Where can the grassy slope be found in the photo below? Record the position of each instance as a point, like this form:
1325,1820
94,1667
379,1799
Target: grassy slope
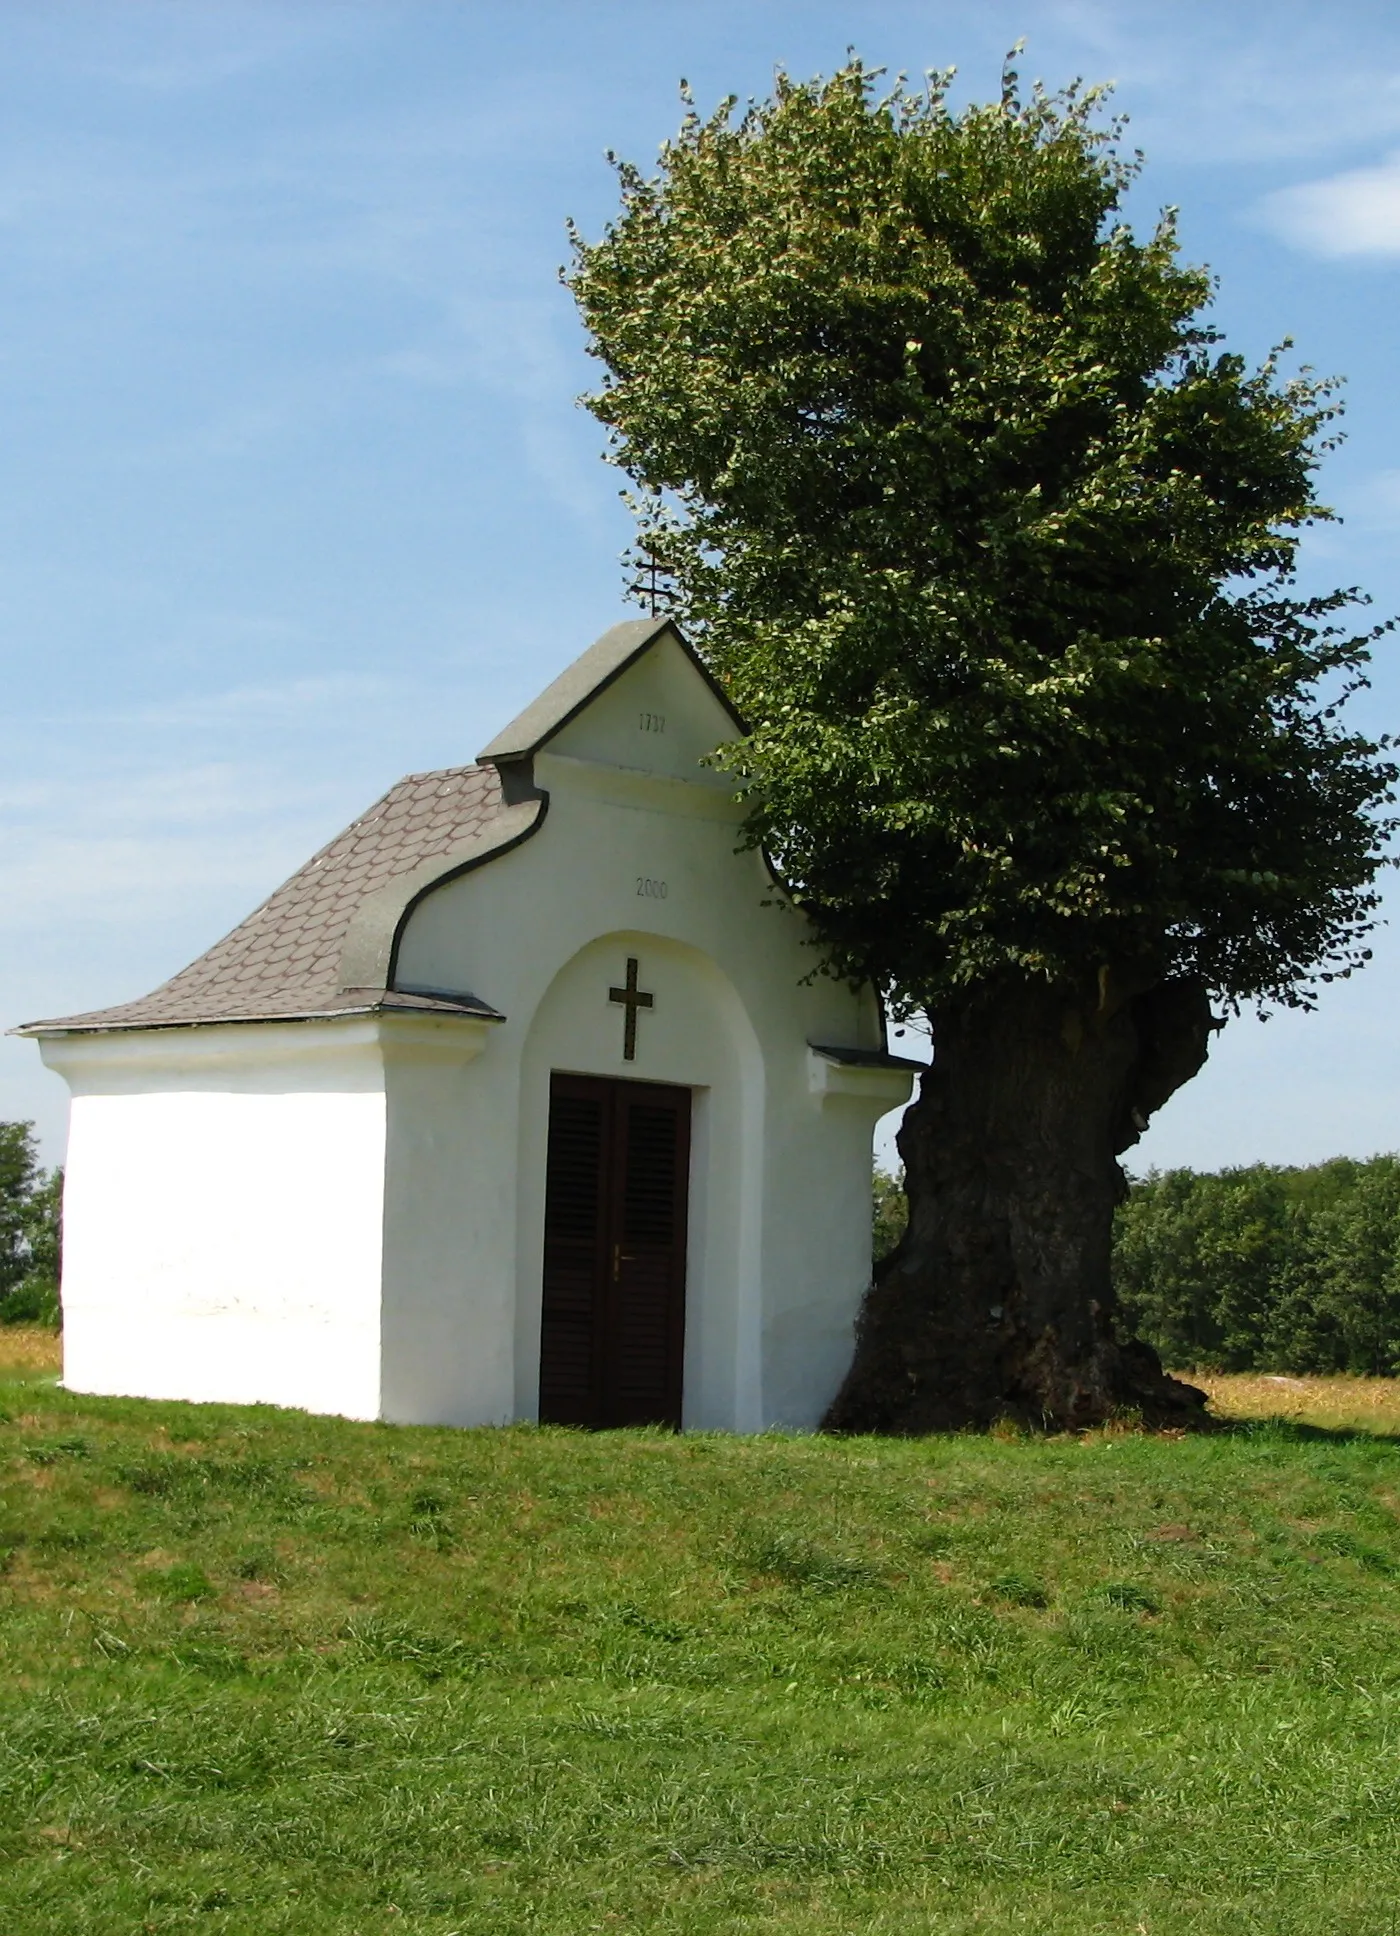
271,1673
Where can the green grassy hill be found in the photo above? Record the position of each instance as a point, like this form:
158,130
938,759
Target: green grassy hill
272,1673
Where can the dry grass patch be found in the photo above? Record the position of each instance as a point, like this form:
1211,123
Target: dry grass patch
30,1348
1335,1403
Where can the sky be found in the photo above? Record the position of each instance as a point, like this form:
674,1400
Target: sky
296,495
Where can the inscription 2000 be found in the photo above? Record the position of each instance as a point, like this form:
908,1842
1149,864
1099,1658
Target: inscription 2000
651,890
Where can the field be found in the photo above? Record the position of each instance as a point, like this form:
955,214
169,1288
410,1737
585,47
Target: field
271,1673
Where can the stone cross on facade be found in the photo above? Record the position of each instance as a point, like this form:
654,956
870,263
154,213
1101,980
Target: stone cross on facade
632,998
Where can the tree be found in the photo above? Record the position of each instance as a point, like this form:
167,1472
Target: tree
29,1229
1266,1269
19,1177
994,548
1199,1261
890,1212
1347,1280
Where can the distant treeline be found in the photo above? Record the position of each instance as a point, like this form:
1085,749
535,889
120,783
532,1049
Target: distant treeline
30,1230
1258,1269
1266,1269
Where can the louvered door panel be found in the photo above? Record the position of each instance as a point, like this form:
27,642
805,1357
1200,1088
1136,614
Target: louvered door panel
575,1238
648,1316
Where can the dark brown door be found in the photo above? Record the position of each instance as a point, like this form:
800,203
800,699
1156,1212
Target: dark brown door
612,1333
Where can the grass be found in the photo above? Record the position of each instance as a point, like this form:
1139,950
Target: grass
1345,1404
27,1348
272,1673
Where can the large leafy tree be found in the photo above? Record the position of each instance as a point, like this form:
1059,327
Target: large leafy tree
994,546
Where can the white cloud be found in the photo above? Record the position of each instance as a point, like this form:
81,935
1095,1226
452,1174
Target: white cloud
1353,213
335,702
81,881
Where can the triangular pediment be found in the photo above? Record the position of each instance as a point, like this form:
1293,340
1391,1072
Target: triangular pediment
638,699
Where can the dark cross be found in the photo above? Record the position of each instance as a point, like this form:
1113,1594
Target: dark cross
632,999
647,586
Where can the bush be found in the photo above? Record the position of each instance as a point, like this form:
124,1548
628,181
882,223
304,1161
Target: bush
891,1212
1264,1268
30,1230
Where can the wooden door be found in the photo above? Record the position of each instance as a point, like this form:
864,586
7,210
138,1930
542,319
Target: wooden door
612,1333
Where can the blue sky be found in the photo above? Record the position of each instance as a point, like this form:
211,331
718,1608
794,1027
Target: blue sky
296,496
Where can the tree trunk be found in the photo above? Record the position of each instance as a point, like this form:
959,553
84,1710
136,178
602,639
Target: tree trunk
998,1302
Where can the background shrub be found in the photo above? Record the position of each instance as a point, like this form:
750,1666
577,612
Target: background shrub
1266,1268
30,1230
891,1212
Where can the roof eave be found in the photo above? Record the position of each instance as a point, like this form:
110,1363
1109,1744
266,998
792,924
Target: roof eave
384,1002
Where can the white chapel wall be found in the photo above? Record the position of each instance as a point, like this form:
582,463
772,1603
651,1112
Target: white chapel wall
449,1229
818,1213
223,1205
658,717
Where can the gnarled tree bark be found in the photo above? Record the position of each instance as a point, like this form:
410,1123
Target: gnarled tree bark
998,1302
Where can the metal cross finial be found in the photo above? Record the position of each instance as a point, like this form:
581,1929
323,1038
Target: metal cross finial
647,587
632,998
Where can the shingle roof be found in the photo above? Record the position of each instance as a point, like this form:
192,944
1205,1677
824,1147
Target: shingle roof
284,962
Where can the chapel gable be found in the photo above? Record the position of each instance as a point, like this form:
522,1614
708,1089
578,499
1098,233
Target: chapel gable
639,699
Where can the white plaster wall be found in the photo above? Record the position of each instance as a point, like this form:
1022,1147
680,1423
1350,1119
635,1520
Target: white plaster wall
223,1209
818,1209
449,1232
659,717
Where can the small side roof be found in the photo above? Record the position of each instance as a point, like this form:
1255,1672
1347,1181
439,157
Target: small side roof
864,1058
287,961
591,673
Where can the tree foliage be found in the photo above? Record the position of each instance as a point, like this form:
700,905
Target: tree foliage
1266,1268
30,1230
992,543
889,1212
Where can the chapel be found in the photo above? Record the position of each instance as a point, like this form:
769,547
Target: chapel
520,1100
